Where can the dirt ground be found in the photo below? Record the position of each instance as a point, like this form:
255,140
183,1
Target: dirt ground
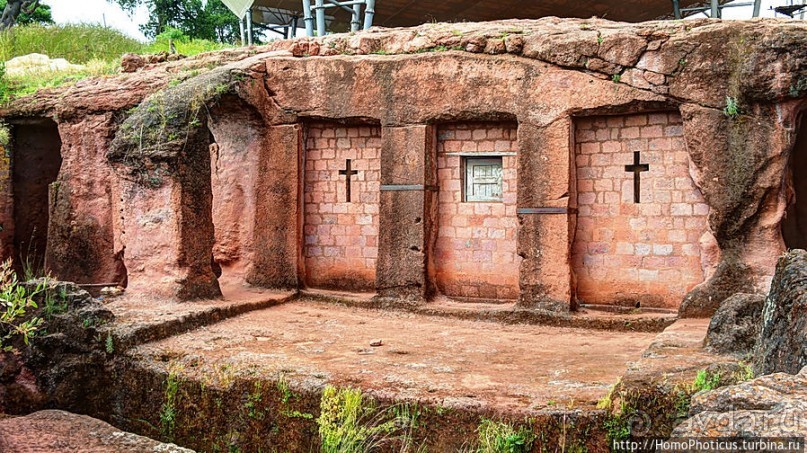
446,361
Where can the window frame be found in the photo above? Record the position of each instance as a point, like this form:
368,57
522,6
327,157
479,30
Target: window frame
498,159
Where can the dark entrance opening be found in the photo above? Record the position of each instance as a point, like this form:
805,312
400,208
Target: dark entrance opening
794,225
35,163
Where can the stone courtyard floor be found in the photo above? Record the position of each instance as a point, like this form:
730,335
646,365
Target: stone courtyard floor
452,362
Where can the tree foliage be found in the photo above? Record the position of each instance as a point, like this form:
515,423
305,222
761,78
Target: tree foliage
23,12
196,19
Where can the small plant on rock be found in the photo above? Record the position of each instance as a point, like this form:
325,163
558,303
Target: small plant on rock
168,412
732,109
502,437
5,133
15,301
705,380
348,424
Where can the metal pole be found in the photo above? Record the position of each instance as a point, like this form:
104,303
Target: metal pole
715,9
677,9
293,30
757,7
249,26
308,18
243,31
355,23
321,18
369,12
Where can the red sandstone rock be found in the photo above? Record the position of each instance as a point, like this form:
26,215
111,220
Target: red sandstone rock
60,431
132,62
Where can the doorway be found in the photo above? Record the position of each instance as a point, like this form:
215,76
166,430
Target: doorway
35,163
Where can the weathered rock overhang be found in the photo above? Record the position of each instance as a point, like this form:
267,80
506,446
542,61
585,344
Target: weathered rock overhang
541,74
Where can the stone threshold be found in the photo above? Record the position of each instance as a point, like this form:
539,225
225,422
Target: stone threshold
504,312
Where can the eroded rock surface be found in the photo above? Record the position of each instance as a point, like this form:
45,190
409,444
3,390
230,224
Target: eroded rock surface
770,406
782,345
71,348
60,431
735,326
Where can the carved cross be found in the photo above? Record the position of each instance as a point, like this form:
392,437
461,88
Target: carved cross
348,172
637,170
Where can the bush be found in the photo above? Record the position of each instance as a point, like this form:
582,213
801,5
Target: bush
15,301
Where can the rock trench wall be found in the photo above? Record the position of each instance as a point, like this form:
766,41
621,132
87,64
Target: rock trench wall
173,217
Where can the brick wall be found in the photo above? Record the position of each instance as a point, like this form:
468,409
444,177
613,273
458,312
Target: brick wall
341,238
476,242
625,252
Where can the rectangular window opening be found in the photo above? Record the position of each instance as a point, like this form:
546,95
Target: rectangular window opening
483,180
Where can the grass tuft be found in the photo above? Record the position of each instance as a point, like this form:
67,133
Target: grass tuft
502,437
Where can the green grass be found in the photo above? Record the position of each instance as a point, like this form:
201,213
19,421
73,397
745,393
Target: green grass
184,46
96,47
349,424
501,437
78,43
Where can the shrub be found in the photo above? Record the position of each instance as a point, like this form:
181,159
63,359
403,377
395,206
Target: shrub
15,301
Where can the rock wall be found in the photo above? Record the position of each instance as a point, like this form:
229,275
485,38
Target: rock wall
782,346
540,74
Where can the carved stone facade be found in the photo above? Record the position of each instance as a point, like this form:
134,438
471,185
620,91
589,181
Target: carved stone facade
251,192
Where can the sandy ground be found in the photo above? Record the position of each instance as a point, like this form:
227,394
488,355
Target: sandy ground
447,361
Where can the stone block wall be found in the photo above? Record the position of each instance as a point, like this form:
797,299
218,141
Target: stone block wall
475,252
626,252
341,238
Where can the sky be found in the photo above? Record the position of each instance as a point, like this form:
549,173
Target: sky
98,11
102,11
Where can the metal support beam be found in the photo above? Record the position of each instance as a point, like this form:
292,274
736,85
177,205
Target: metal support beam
757,7
249,26
293,30
677,9
715,9
369,12
355,21
320,11
243,31
308,18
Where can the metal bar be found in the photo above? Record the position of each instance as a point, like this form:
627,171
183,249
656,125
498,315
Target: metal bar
715,7
355,21
545,210
249,26
344,7
406,187
757,7
308,18
677,9
369,13
477,154
293,30
708,8
320,11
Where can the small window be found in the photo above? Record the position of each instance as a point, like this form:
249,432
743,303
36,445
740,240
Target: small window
483,179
